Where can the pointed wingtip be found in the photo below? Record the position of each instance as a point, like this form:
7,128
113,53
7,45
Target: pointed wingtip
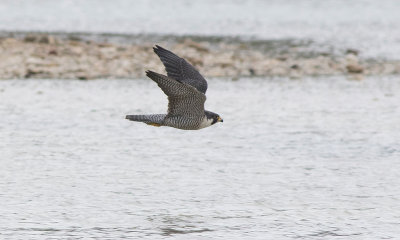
150,73
156,48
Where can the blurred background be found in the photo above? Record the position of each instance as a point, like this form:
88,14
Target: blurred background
66,39
309,148
370,26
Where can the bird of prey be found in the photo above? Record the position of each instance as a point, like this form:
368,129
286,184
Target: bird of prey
185,88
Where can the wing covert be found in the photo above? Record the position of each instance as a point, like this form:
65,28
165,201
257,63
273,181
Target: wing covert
183,99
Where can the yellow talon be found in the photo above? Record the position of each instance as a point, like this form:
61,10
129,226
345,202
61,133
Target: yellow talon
154,124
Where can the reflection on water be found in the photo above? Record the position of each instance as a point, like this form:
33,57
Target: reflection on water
312,158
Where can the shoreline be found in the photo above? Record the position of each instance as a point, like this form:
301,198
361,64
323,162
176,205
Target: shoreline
93,56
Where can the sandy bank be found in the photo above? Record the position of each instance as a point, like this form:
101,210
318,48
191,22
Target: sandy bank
49,56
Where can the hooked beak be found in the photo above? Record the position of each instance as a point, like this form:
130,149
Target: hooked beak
220,119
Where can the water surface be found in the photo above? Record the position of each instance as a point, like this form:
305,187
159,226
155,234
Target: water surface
312,159
368,25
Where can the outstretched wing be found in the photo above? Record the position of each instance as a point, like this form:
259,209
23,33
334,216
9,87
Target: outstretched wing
180,70
183,99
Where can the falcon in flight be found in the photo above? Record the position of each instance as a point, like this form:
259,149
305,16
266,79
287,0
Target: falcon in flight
185,88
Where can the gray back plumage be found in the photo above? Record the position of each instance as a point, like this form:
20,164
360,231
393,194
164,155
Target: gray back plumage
183,99
180,70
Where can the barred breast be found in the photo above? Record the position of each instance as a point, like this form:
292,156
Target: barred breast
184,122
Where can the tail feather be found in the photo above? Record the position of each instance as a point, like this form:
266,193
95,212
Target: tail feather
153,119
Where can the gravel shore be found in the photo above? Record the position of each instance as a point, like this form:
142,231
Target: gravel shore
60,57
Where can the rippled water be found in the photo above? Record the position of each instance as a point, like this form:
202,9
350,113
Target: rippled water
368,25
313,159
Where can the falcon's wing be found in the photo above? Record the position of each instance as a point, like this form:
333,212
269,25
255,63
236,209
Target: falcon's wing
183,99
180,70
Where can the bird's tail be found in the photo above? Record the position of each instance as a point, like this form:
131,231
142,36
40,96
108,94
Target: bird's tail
153,119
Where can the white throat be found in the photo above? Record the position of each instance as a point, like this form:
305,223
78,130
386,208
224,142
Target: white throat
206,122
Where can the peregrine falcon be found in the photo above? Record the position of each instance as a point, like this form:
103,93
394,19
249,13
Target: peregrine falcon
185,88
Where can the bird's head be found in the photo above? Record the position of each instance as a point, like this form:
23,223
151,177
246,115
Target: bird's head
213,116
